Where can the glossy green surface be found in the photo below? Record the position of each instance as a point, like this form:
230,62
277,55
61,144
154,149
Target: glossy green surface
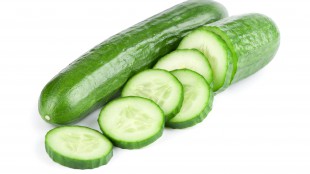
91,80
253,40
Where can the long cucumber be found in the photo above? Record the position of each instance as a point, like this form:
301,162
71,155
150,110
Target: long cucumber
91,80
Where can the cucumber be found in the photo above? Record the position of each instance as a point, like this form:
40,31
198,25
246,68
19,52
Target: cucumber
253,40
236,47
187,59
159,86
198,99
78,147
132,122
96,76
217,53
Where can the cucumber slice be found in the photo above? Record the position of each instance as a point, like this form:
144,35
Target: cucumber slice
198,98
187,59
132,122
78,147
160,86
217,52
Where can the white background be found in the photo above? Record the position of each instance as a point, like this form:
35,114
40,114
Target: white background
260,125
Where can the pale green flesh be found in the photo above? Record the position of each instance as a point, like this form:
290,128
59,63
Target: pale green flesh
186,59
78,143
196,95
213,48
131,119
159,86
157,90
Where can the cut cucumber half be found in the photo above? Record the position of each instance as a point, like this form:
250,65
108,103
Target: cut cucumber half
197,103
187,59
217,52
132,122
253,40
78,147
160,86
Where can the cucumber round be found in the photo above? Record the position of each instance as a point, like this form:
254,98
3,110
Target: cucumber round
216,51
198,99
78,147
187,59
158,85
253,40
94,78
132,122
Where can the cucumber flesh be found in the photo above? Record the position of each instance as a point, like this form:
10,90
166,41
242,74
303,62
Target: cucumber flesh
132,122
198,98
160,86
78,147
217,53
187,59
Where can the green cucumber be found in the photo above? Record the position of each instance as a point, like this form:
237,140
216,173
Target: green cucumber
217,53
198,99
132,122
187,59
245,45
96,76
78,147
159,86
253,40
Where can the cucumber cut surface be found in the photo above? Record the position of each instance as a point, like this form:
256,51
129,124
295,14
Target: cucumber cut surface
132,122
198,98
160,86
216,51
187,59
78,147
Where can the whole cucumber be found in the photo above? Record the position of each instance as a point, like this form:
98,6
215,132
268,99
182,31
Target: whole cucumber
91,80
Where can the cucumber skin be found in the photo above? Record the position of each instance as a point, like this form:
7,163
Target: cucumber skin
198,118
90,81
76,163
136,145
133,145
195,120
253,40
